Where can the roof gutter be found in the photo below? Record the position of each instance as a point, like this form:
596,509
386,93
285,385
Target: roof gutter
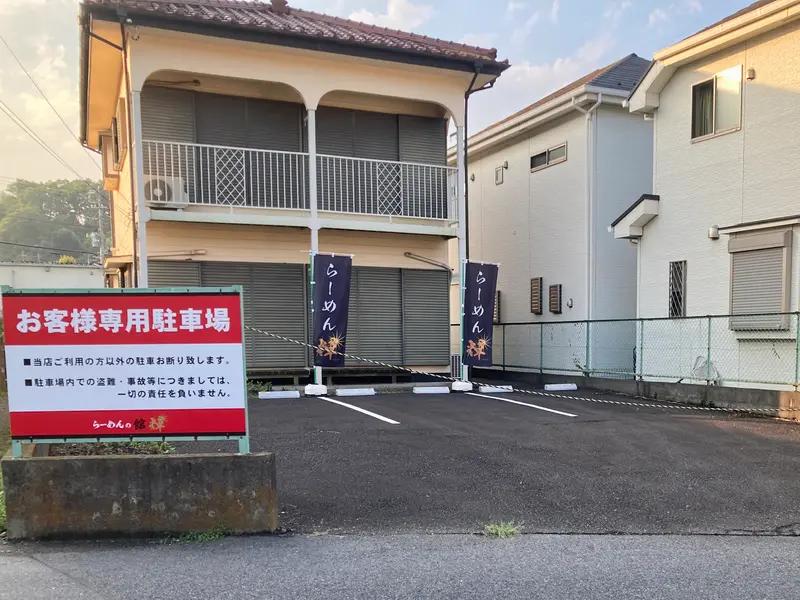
83,42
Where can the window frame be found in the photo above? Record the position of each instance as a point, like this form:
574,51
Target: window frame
498,175
714,133
548,162
683,289
119,135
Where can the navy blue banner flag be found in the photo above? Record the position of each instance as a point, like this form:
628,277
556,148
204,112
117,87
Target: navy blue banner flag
479,296
331,278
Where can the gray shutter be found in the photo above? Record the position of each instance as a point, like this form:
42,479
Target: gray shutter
279,302
375,135
221,121
380,327
173,274
335,131
352,346
423,141
335,177
224,274
757,287
275,179
273,125
167,115
426,317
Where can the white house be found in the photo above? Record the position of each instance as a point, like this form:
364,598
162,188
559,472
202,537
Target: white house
544,184
717,232
50,275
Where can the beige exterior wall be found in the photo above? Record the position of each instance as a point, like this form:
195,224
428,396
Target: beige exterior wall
250,243
312,74
746,175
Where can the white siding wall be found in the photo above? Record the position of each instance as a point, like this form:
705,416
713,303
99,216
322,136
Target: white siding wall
747,175
21,275
743,176
534,223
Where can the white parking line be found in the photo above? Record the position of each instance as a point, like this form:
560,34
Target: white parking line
558,412
361,410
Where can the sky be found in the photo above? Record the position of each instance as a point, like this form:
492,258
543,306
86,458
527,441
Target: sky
548,42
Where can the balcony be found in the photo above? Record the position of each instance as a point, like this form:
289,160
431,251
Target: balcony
186,175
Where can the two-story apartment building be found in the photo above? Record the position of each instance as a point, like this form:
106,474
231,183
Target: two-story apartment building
240,136
717,232
543,185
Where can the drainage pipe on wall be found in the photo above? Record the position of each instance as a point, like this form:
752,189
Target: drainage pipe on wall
591,127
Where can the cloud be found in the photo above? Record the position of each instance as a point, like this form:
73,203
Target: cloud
400,14
482,40
515,5
657,16
525,82
554,11
520,34
693,6
616,10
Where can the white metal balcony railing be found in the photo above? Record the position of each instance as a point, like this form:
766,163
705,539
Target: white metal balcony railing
179,174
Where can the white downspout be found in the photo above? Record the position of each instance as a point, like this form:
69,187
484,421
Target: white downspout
589,187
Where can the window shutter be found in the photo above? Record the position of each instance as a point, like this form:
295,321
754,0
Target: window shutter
555,299
536,295
757,287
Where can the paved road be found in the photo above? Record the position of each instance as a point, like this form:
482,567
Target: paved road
456,462
417,567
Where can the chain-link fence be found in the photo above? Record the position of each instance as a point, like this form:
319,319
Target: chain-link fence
742,350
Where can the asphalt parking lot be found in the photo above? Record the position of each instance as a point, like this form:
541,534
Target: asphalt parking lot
451,463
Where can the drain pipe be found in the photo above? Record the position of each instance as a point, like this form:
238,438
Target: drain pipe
591,132
135,223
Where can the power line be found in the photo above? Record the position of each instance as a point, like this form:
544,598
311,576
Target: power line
34,136
59,221
48,248
38,89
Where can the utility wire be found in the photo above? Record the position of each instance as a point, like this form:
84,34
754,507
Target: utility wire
30,132
48,248
58,221
38,89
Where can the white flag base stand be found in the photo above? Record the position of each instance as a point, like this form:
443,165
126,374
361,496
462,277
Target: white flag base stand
314,389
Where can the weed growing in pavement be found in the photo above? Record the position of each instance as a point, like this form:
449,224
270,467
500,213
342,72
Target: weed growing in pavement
199,537
2,507
503,529
253,387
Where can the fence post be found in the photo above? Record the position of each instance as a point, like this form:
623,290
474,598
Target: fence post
708,351
587,369
796,350
640,356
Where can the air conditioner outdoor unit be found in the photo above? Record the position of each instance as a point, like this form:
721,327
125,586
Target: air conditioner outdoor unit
163,191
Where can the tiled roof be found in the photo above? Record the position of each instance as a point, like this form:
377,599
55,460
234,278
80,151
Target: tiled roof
623,74
266,17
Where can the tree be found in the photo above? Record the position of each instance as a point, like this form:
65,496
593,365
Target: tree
61,215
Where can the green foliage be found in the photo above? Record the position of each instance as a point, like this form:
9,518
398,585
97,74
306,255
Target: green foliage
253,387
57,214
2,507
200,537
66,260
502,529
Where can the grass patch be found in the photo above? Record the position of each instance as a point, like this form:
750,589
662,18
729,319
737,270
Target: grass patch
253,387
111,448
201,537
503,529
2,507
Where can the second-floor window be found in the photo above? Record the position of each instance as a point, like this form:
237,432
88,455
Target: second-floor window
677,289
717,104
551,156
